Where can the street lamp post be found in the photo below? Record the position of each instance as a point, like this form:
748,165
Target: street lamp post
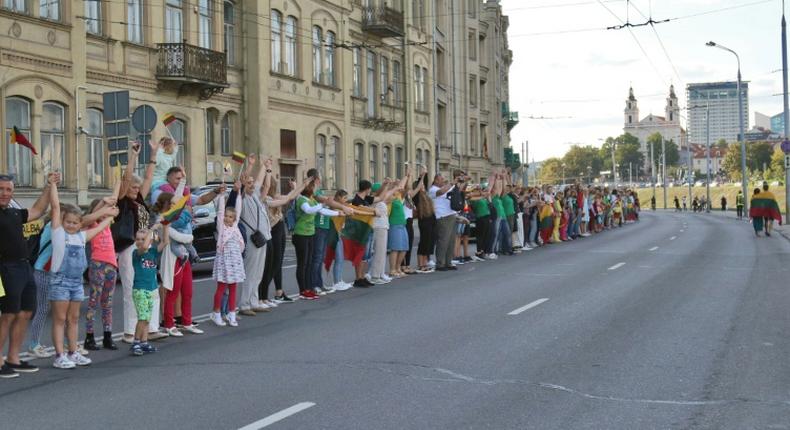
740,121
707,154
785,115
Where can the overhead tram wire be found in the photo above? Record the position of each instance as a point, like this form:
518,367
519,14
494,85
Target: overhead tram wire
652,23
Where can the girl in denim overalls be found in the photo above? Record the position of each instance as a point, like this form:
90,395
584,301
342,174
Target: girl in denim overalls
66,288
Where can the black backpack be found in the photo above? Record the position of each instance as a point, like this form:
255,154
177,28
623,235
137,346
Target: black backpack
456,197
32,232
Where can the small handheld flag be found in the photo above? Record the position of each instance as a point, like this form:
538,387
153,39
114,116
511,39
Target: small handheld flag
239,157
168,119
174,212
20,139
117,170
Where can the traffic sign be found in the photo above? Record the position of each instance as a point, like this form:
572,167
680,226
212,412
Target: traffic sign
786,146
144,119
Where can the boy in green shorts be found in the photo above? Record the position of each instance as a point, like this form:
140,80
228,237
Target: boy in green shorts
145,260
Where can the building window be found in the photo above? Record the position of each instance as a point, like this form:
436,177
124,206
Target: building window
16,5
371,79
95,143
290,46
473,90
418,13
211,119
373,160
178,129
49,9
399,162
359,156
317,45
229,35
396,82
53,137
173,21
357,77
19,158
419,87
93,17
385,161
204,23
481,51
473,138
418,157
384,70
330,179
482,94
277,20
329,59
320,155
288,144
134,20
472,46
226,134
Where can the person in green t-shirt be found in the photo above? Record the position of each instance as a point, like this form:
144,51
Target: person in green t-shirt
306,209
483,223
397,236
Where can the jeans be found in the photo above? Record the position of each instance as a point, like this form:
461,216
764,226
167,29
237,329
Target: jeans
317,260
445,246
337,267
502,244
304,255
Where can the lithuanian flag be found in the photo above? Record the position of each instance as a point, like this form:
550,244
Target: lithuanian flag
331,242
239,157
355,234
19,138
546,218
175,210
764,205
168,119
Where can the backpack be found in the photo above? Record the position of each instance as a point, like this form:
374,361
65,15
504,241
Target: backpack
456,197
32,232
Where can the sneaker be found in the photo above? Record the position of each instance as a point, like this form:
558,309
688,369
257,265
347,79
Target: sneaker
79,359
22,367
232,319
192,329
362,283
442,269
216,318
378,281
147,348
385,278
264,308
431,263
270,303
341,286
309,295
327,290
62,362
457,262
477,259
39,351
7,372
422,271
127,338
136,349
469,260
159,334
247,312
173,331
452,268
319,292
81,349
282,299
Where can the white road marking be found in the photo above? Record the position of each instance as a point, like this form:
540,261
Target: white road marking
279,416
681,231
673,238
528,307
653,248
617,266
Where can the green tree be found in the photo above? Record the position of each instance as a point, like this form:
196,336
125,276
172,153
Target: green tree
722,144
778,165
627,150
582,161
550,171
758,155
673,153
732,162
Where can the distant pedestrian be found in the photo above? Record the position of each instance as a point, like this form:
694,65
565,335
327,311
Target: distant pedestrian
684,204
765,206
739,204
723,203
757,221
677,204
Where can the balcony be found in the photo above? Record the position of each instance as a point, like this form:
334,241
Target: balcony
193,67
382,21
512,120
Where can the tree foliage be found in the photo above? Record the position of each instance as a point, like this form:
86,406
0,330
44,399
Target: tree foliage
551,171
582,161
673,152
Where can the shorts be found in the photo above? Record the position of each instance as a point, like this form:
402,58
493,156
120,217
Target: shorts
20,287
462,230
397,239
63,289
143,303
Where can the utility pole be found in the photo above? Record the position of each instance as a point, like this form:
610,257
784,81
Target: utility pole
664,169
707,152
653,172
785,116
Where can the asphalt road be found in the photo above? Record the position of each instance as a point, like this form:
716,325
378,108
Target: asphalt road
677,322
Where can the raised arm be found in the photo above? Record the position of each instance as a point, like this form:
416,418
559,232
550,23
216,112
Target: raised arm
39,208
145,188
91,233
295,191
220,219
267,177
54,201
165,240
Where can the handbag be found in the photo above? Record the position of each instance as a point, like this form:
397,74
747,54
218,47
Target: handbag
257,237
123,229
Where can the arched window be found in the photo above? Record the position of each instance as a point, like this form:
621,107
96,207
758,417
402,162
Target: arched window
226,133
418,157
359,156
53,137
95,143
385,161
329,59
290,46
373,160
19,158
277,22
178,129
320,156
211,120
229,22
330,179
205,19
317,45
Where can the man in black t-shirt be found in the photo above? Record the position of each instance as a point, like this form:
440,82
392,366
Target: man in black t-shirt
363,198
19,302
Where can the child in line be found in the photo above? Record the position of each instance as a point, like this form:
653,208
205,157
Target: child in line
228,263
381,226
144,259
68,264
165,159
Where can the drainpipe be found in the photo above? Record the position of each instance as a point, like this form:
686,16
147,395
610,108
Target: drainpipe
78,132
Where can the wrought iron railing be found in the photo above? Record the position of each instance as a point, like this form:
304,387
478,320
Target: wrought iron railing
192,63
382,20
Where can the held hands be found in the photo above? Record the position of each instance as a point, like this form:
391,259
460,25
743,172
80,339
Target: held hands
222,188
53,178
267,163
348,211
237,186
252,159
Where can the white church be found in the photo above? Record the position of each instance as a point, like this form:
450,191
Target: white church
668,125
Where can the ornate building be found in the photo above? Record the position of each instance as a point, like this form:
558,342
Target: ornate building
668,126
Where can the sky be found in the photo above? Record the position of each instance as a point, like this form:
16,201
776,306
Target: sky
577,81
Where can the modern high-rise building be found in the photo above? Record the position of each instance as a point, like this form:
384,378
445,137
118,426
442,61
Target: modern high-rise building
721,100
778,124
472,62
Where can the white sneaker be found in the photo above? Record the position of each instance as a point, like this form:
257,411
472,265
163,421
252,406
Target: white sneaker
328,290
341,286
491,256
232,319
216,318
319,292
173,331
194,330
62,362
79,359
40,352
367,276
476,259
386,278
270,303
378,281
431,263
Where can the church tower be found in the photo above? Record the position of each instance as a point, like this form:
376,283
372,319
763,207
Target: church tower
672,110
631,110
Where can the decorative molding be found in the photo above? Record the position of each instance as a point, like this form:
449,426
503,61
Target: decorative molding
306,109
101,77
34,63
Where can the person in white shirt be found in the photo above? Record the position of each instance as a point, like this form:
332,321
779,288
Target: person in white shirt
445,218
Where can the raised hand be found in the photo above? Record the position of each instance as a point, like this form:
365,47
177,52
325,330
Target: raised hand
112,211
252,159
134,148
237,186
155,145
268,163
110,200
